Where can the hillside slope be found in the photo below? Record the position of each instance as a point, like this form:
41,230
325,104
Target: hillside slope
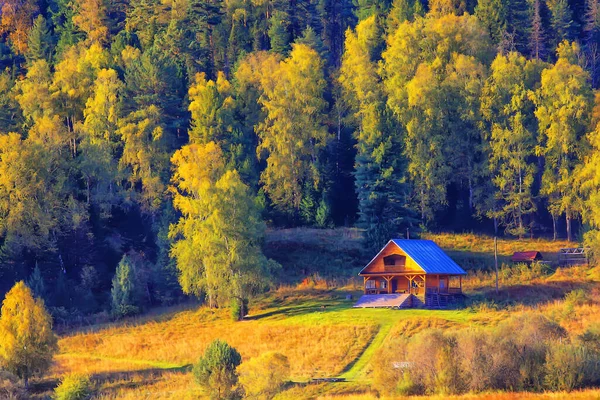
314,325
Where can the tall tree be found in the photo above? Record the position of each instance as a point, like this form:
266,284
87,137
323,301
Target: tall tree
508,109
39,41
217,240
564,104
434,95
562,20
379,167
293,132
538,36
278,32
98,158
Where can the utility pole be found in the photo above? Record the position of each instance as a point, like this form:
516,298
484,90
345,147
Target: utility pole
496,261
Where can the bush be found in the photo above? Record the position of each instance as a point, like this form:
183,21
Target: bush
262,377
10,388
575,298
73,387
514,356
566,367
216,370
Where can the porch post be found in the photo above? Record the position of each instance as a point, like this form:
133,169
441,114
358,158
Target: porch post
460,282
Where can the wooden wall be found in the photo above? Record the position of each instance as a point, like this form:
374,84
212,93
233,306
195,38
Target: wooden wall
377,265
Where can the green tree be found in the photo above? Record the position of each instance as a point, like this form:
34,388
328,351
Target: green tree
216,242
563,109
216,370
98,156
379,166
36,282
434,91
27,343
293,133
39,41
562,20
278,32
124,289
508,109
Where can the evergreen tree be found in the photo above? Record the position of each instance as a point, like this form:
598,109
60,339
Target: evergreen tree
216,370
39,41
562,20
379,167
124,290
278,32
538,36
36,283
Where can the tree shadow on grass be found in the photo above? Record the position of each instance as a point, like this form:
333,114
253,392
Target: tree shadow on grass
111,382
301,310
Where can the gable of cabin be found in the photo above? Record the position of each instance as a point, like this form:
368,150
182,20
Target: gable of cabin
391,259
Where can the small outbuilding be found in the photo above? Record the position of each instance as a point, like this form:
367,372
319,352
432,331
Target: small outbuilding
526,256
411,273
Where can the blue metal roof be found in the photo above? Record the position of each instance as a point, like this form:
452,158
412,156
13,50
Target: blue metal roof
429,256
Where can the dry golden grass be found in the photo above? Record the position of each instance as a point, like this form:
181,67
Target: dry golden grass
181,340
577,395
470,242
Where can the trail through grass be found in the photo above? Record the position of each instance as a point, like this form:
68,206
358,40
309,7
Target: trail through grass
358,368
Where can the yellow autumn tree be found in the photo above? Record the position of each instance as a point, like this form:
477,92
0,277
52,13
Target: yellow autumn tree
27,343
91,17
293,132
98,160
564,104
16,19
211,106
217,241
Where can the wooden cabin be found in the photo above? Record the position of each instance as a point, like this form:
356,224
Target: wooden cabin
411,273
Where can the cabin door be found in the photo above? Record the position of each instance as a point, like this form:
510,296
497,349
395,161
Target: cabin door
394,283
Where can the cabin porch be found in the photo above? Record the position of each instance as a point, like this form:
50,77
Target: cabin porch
431,291
417,284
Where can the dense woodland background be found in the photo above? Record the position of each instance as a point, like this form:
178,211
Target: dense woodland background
124,123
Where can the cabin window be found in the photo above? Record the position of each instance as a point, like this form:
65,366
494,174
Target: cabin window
383,284
395,260
370,284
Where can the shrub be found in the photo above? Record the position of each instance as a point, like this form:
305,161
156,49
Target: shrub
262,377
10,388
433,359
575,298
216,370
387,377
566,367
73,387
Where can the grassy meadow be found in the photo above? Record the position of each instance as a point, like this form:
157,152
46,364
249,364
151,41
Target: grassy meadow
314,325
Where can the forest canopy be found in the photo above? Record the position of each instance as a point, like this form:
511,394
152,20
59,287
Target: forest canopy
166,135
